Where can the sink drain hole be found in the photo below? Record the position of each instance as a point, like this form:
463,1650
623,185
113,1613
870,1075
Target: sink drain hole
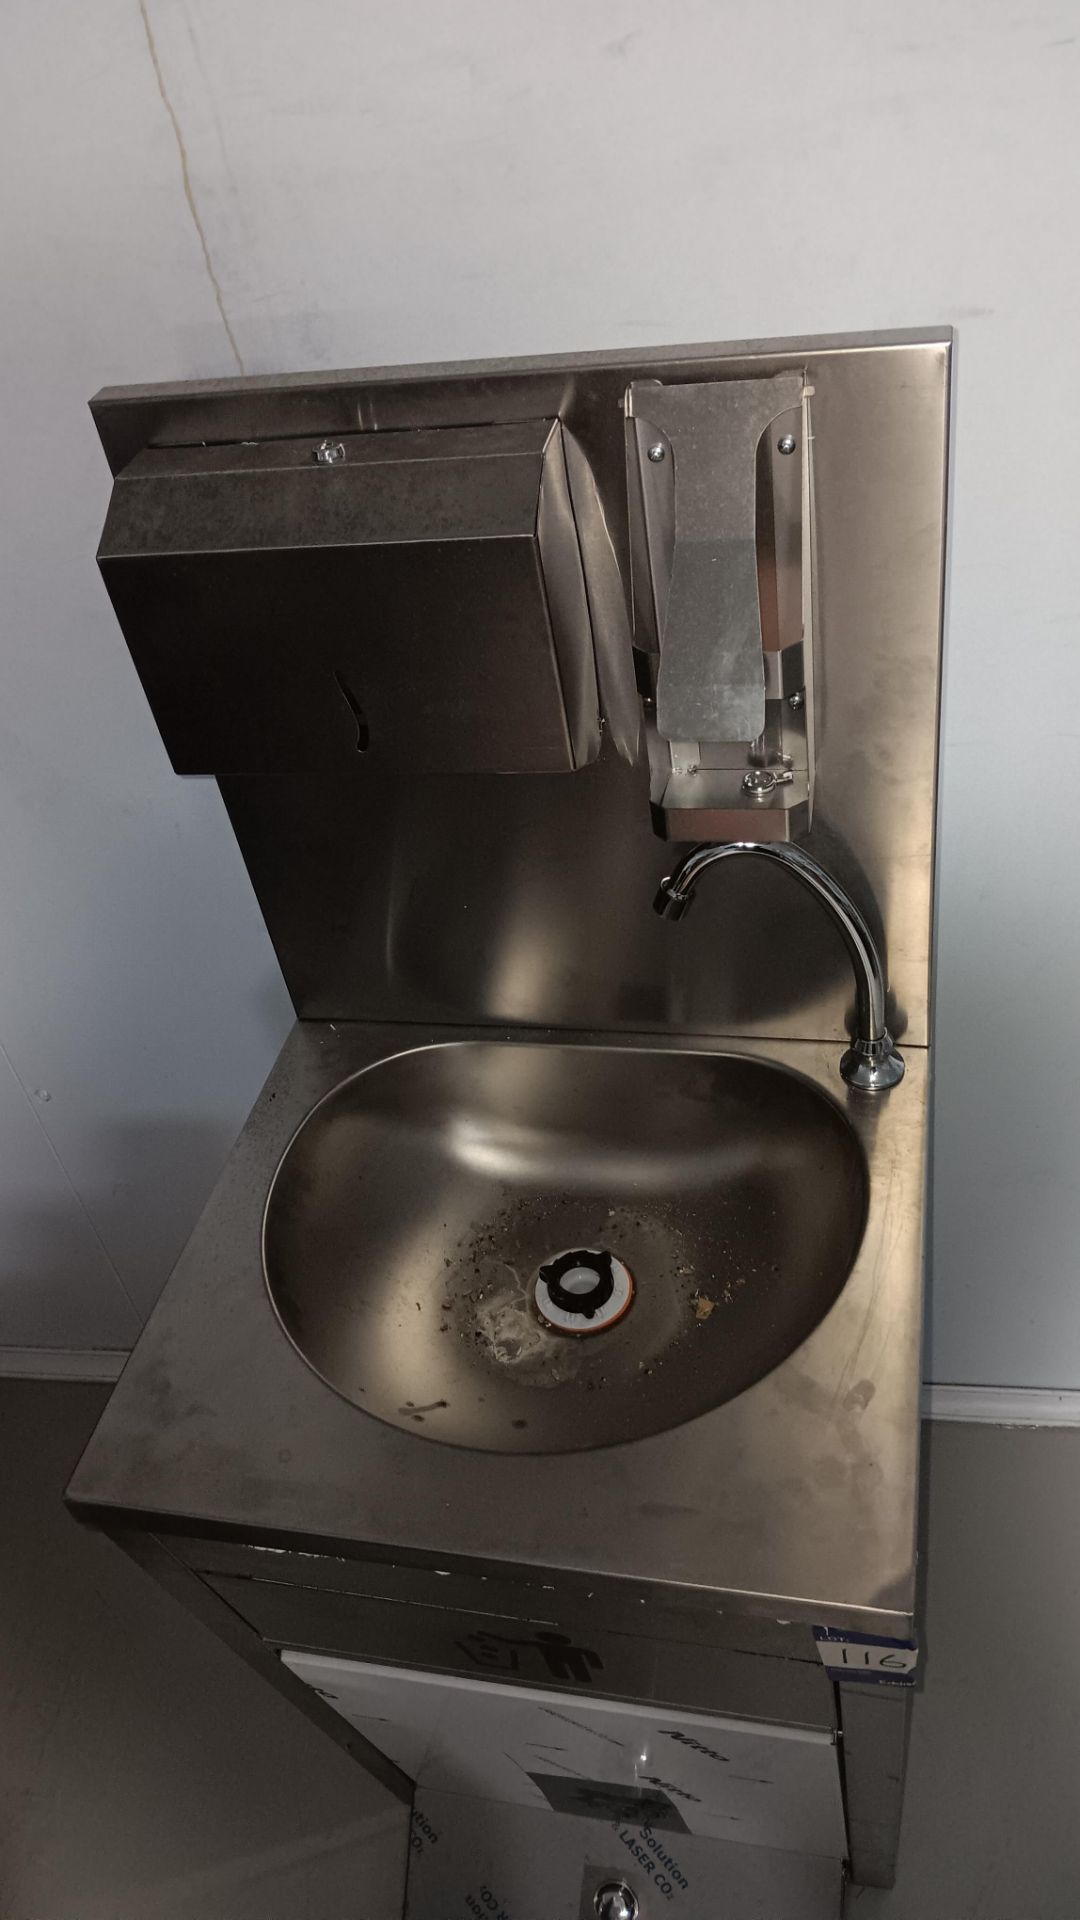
583,1291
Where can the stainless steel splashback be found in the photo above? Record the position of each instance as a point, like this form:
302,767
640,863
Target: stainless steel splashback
525,898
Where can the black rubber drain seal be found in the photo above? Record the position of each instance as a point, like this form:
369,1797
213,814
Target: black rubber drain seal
581,1308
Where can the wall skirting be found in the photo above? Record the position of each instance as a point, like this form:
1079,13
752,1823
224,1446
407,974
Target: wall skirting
60,1363
1004,1406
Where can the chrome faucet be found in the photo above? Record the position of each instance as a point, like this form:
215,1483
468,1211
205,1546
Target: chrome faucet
871,1061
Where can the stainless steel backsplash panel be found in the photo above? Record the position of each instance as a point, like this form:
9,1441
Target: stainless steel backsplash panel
528,899
525,898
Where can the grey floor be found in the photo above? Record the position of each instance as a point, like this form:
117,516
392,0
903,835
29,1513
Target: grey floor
146,1774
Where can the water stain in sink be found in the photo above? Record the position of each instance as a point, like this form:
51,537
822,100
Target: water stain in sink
486,1296
510,1333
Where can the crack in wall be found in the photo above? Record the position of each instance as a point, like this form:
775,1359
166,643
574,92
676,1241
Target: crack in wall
185,176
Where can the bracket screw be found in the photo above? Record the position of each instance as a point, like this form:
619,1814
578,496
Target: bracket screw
657,452
758,780
787,443
797,701
330,454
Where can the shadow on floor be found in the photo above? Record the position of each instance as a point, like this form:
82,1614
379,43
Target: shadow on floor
147,1773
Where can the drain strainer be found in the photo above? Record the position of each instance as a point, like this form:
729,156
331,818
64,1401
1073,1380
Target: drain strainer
583,1291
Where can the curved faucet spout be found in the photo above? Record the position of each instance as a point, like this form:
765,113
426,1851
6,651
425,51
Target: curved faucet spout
871,1062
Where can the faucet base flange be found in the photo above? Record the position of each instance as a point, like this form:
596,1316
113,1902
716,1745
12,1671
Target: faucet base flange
872,1065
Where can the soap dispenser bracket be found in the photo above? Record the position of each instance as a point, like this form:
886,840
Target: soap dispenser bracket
720,541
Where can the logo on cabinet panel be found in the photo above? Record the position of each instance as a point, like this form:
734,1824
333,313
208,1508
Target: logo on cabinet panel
554,1654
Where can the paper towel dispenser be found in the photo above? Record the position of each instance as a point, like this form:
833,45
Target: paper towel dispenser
394,601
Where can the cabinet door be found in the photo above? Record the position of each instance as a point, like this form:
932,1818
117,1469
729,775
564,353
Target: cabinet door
679,1773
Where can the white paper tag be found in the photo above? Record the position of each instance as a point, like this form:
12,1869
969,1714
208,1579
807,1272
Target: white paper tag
867,1656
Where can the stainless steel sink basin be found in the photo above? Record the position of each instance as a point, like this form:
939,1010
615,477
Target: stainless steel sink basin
417,1203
